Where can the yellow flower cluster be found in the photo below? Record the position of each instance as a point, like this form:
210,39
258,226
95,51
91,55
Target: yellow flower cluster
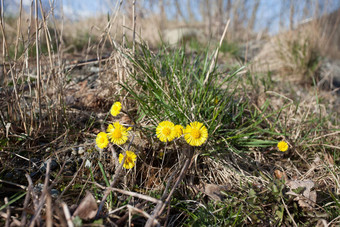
117,134
195,133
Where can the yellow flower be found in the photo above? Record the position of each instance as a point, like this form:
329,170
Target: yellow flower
165,131
115,109
130,159
102,141
195,134
282,145
117,133
178,130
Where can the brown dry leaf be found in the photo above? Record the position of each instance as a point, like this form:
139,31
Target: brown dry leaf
213,190
82,86
126,120
308,197
279,175
87,208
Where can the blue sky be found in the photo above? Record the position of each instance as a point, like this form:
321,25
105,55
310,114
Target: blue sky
268,13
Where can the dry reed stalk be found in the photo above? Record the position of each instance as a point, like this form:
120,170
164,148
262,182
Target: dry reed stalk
50,113
38,60
3,29
23,117
47,38
134,27
124,32
14,80
18,32
213,62
106,34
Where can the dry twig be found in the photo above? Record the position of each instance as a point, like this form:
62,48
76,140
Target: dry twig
213,62
167,197
43,195
67,215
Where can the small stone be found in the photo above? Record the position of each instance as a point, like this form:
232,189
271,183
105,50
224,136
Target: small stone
94,69
54,193
81,150
74,151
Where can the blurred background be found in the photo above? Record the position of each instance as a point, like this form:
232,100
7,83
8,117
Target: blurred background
171,20
296,41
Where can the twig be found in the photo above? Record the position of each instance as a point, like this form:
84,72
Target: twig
15,184
114,181
161,205
67,215
15,222
286,208
139,211
121,221
335,219
34,195
108,190
133,194
116,210
49,220
27,199
73,179
43,194
167,216
8,213
35,165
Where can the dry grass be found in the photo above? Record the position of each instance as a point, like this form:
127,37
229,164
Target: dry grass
55,97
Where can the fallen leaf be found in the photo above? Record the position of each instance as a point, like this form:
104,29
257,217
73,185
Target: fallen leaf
126,120
279,175
307,197
87,208
213,190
